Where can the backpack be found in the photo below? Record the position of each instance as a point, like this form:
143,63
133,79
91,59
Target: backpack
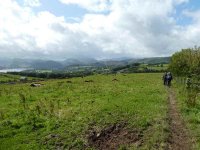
169,77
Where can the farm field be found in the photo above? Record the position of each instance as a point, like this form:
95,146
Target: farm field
123,111
158,67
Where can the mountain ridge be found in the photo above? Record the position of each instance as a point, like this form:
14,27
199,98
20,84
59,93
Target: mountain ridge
62,64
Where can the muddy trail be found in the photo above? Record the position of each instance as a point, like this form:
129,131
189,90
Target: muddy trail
179,138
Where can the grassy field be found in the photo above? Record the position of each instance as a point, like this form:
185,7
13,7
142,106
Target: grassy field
191,114
157,67
61,114
4,78
8,78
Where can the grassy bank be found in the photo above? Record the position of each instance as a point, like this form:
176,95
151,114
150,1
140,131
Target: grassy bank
190,114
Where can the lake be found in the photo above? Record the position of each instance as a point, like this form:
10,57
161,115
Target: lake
12,70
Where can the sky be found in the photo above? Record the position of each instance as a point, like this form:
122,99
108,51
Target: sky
60,29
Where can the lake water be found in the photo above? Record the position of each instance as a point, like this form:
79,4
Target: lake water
12,70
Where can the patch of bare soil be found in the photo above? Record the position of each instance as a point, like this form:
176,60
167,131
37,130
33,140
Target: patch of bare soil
115,80
114,136
179,138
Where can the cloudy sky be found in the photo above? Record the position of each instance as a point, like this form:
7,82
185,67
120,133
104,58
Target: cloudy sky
59,29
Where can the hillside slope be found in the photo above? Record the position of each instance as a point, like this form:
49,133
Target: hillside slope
95,111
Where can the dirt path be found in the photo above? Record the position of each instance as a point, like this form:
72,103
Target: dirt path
178,138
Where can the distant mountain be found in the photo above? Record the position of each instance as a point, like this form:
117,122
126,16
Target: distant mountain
59,65
78,61
5,62
152,60
113,63
31,63
20,63
49,64
1,67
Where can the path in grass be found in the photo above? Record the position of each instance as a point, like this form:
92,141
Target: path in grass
178,138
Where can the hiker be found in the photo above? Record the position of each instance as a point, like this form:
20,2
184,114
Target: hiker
165,78
169,78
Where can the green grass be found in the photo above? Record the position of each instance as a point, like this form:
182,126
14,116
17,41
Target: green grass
8,78
190,114
60,113
12,78
158,67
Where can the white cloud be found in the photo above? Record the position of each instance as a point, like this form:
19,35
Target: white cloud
132,28
91,5
32,3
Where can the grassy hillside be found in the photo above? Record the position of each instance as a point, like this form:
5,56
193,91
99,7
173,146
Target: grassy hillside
63,114
6,78
136,67
154,60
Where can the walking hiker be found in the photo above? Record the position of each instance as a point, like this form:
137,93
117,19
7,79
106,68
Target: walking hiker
165,78
169,78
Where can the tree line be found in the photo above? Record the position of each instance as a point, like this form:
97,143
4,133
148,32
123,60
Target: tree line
52,75
185,65
186,62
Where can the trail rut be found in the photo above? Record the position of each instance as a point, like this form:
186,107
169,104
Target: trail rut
179,138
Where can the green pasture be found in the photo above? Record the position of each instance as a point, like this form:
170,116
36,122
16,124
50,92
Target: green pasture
60,113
